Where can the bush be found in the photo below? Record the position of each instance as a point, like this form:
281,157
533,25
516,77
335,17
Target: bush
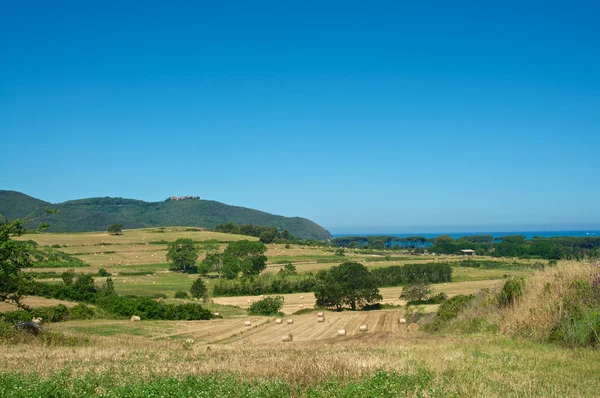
180,294
103,272
83,312
450,309
579,324
511,291
437,299
146,308
267,306
57,313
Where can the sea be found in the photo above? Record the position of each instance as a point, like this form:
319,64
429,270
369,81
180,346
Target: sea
495,234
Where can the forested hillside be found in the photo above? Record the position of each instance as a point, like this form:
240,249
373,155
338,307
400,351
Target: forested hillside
96,214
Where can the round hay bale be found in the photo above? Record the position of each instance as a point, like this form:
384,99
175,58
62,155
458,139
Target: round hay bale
217,314
320,314
287,338
413,327
402,321
290,321
247,323
262,296
301,306
341,332
364,328
320,319
301,297
135,318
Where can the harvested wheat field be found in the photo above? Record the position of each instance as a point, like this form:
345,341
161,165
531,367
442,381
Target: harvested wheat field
307,328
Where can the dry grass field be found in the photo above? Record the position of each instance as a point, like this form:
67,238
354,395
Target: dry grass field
119,353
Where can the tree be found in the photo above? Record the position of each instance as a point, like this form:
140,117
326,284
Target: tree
115,229
109,286
230,267
15,255
268,306
347,284
267,236
68,277
183,253
250,255
198,289
211,263
417,291
287,270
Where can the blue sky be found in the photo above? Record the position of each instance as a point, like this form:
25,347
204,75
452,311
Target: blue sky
392,116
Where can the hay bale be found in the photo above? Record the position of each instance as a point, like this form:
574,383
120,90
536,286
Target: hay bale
413,327
320,314
402,321
262,296
301,297
247,323
217,314
290,321
320,319
278,321
301,306
364,328
341,332
286,338
135,318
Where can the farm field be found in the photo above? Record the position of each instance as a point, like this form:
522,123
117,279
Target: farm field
113,354
116,354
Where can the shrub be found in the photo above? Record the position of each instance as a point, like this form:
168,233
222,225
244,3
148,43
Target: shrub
180,294
511,291
450,309
83,312
57,313
146,308
103,272
268,306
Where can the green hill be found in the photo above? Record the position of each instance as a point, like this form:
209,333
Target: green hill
96,214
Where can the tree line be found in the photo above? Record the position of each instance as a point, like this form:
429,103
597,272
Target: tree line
263,233
506,246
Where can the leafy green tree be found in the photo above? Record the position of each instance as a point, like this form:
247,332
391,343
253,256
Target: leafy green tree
198,289
183,254
287,270
268,306
416,291
267,236
230,267
15,255
115,229
252,260
109,286
348,284
68,277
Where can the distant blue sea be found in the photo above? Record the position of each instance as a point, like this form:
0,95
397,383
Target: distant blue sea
456,235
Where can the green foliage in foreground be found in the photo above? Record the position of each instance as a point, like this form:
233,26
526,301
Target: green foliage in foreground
379,384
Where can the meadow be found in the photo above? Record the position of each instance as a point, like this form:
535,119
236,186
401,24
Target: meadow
224,357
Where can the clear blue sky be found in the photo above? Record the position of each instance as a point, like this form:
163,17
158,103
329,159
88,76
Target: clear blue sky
389,116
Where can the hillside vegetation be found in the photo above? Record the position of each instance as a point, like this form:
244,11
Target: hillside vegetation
96,214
